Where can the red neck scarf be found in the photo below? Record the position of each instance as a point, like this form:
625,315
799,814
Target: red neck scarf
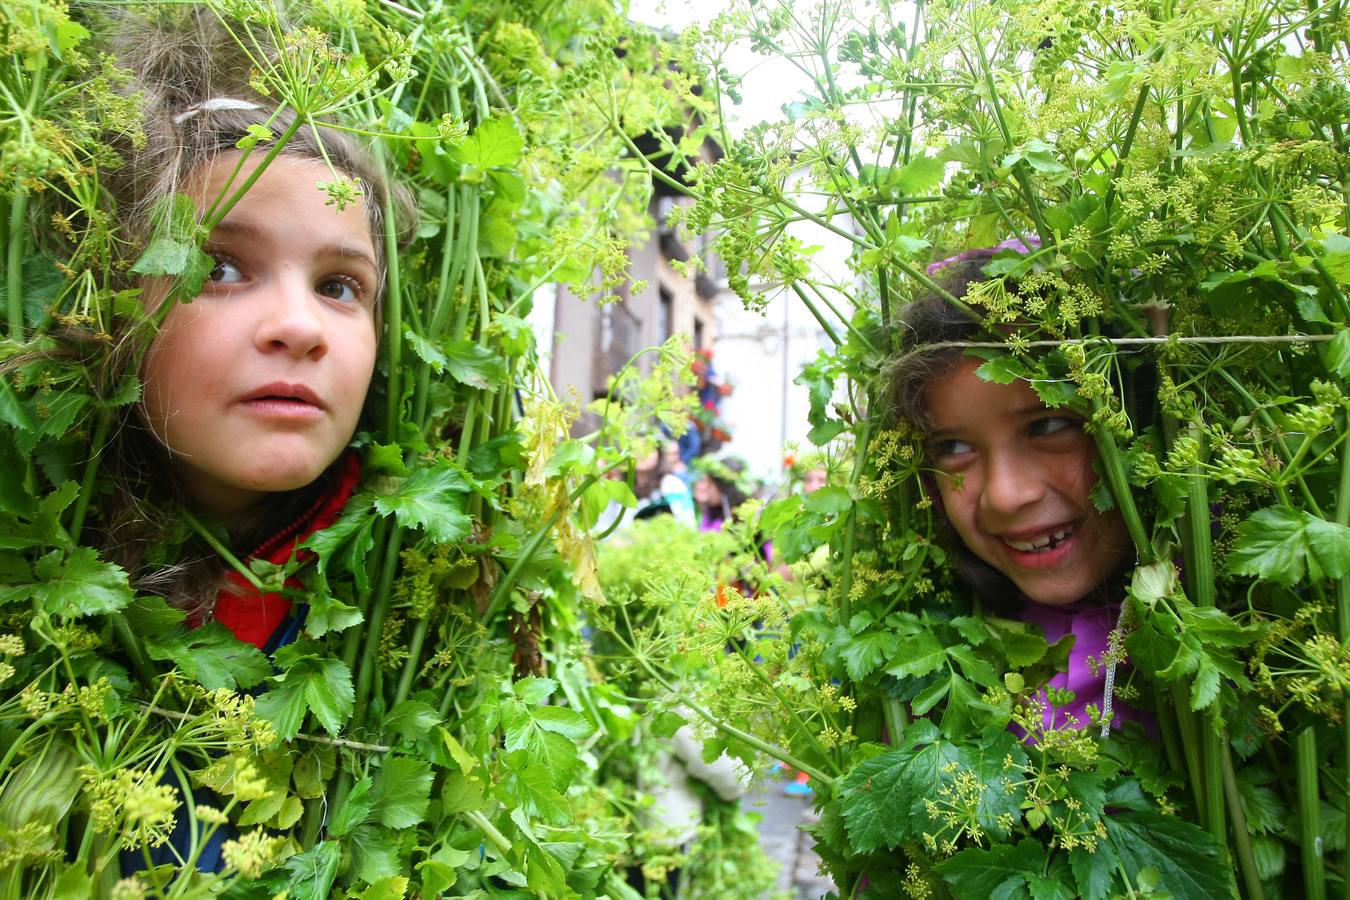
253,616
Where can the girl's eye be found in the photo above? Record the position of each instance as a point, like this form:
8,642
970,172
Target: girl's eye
225,271
951,447
1050,425
340,287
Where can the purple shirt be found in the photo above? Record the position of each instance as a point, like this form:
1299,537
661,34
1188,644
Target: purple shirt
1091,627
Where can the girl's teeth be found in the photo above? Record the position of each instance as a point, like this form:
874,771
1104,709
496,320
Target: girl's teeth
1042,542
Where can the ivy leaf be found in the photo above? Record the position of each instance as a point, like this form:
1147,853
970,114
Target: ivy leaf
308,683
212,656
80,585
1278,543
402,791
431,499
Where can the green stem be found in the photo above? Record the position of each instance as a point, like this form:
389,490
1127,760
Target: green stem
1310,826
222,551
91,467
374,626
850,530
1251,878
811,306
1113,467
393,318
413,662
18,212
1343,630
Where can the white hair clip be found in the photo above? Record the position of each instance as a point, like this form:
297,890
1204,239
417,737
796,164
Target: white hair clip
212,105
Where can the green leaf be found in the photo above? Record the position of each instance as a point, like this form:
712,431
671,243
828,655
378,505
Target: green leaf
354,811
531,787
391,887
1002,370
977,872
312,872
472,364
308,683
1021,643
213,656
1337,354
412,719
402,791
431,499
495,142
174,249
919,176
439,871
80,585
1186,857
863,653
1094,871
917,655
1279,543
560,720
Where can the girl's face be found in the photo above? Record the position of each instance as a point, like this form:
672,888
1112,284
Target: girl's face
256,385
1015,479
706,492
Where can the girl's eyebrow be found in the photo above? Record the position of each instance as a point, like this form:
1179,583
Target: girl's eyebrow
249,231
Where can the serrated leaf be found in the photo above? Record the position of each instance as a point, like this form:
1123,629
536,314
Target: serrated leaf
321,685
81,584
918,176
312,872
212,656
1337,354
1002,370
495,142
1185,857
560,720
1280,544
402,791
863,653
531,787
391,887
412,719
917,655
431,499
354,811
473,364
980,872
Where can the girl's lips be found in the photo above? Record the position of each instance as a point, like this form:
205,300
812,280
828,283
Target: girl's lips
288,408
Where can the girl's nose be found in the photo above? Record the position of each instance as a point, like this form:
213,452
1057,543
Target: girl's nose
1011,484
292,322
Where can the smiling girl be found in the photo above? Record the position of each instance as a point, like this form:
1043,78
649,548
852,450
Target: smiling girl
1013,480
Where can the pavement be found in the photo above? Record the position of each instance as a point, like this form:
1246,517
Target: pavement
783,840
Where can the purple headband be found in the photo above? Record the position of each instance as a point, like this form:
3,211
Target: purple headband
1032,242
